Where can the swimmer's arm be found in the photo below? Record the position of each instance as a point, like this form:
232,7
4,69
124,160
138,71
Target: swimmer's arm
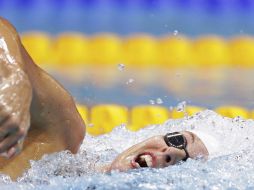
15,94
53,109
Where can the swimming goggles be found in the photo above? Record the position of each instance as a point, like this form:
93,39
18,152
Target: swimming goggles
177,140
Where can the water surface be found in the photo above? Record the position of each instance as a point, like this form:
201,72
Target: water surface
231,168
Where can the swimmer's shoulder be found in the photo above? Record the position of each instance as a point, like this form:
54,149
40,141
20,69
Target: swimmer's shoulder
5,24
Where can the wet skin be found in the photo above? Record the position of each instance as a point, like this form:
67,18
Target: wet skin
37,115
155,153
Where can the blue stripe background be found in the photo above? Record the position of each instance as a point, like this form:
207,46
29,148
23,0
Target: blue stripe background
124,17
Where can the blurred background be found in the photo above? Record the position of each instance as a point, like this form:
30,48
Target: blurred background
126,17
155,53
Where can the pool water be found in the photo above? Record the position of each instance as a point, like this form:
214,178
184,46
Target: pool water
231,168
205,87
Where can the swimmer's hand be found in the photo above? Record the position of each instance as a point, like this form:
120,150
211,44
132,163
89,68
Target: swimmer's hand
13,130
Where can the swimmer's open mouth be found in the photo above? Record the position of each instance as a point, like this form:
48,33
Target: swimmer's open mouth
143,160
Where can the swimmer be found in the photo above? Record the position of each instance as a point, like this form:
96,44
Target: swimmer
162,151
37,115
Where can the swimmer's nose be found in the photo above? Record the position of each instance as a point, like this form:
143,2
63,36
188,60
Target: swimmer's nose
170,156
164,157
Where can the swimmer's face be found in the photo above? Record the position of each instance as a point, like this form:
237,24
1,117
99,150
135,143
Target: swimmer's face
155,153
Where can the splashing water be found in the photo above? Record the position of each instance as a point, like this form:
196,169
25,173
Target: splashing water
231,168
181,107
152,102
159,101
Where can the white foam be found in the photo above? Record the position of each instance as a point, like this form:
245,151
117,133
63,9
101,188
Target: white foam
232,168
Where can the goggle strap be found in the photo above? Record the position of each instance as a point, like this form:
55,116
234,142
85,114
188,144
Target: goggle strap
187,155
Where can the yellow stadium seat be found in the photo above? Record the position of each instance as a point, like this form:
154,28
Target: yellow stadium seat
39,46
189,111
175,51
105,117
140,50
210,51
242,51
142,116
233,111
83,111
252,114
105,49
71,49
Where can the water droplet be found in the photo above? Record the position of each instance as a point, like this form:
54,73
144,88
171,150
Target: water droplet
159,101
152,102
131,80
90,124
175,32
121,67
181,106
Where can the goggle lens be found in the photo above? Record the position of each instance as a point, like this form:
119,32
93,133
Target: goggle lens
176,140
